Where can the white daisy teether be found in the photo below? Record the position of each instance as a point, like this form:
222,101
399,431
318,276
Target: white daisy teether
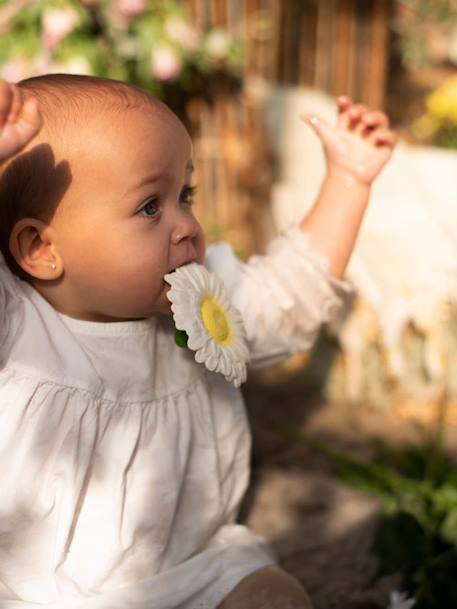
214,328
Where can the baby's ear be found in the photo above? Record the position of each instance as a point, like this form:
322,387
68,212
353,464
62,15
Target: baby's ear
32,243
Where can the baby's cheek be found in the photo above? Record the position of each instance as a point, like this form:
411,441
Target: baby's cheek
200,246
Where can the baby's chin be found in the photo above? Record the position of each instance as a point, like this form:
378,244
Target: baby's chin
158,305
166,310
163,306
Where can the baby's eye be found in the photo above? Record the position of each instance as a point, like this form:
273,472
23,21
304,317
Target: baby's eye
150,209
188,194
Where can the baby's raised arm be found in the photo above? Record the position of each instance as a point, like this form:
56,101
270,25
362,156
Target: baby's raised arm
20,119
286,295
356,149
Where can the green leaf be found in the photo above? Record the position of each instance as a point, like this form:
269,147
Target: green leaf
437,582
400,542
448,529
181,338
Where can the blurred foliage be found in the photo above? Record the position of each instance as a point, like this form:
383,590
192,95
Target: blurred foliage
150,43
427,32
417,530
439,124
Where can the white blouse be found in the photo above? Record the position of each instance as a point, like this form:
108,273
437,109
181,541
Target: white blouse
124,461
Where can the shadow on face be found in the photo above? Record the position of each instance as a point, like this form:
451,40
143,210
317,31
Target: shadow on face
32,185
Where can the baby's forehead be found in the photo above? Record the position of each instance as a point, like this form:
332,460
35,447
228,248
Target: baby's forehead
70,103
79,113
60,92
120,126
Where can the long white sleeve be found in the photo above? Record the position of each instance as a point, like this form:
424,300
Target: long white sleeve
283,296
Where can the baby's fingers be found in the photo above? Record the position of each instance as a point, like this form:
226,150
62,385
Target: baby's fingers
17,133
351,115
6,101
375,119
16,104
344,102
29,121
320,126
383,137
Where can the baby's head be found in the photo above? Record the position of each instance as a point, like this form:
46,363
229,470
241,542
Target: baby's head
98,207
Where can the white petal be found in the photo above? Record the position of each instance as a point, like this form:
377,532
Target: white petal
225,362
211,363
197,341
399,600
241,351
214,348
201,355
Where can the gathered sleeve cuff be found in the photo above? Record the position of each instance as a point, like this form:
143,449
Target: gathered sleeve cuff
283,296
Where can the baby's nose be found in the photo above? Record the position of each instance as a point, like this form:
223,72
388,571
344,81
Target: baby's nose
187,228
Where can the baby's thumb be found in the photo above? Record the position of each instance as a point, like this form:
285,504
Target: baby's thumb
320,126
31,113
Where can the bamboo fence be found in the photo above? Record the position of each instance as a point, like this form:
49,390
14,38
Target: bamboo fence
333,45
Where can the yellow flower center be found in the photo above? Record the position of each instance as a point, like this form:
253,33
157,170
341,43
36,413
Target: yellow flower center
217,321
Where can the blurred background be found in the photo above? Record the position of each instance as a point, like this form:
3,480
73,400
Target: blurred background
239,73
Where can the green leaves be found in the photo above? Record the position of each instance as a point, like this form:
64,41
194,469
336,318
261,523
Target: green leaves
151,43
397,533
418,526
417,530
445,500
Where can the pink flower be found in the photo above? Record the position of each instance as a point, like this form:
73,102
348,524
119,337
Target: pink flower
131,8
166,65
183,33
57,24
16,70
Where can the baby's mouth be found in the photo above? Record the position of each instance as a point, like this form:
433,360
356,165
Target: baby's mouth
180,265
170,272
173,270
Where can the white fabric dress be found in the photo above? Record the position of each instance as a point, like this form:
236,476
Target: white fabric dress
123,462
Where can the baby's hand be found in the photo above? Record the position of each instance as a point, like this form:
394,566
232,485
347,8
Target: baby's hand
359,145
20,119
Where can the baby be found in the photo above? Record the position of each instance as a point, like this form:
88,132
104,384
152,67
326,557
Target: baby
125,461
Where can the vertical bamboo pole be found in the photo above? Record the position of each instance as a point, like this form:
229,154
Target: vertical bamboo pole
324,43
219,12
333,50
282,43
308,44
249,18
363,51
376,86
235,10
291,35
344,47
274,7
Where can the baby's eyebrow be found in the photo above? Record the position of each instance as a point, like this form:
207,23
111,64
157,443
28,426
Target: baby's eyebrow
150,179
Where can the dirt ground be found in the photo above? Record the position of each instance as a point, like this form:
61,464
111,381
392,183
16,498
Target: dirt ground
320,529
